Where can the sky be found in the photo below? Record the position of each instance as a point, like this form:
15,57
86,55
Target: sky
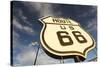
26,29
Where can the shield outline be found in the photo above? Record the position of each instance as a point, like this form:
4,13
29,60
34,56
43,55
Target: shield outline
67,53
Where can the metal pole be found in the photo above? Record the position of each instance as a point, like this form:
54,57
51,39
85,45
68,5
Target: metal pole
76,59
61,60
36,55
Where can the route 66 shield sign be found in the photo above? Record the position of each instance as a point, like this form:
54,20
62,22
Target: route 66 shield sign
65,37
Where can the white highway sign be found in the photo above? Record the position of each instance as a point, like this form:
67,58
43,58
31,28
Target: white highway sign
65,37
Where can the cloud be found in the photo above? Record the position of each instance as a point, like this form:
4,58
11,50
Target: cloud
16,38
34,43
20,13
28,30
43,9
26,56
22,54
17,24
90,18
88,12
21,27
92,25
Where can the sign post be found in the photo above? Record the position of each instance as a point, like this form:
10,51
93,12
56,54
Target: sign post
64,37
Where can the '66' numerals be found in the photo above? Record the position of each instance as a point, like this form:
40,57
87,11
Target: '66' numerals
69,40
